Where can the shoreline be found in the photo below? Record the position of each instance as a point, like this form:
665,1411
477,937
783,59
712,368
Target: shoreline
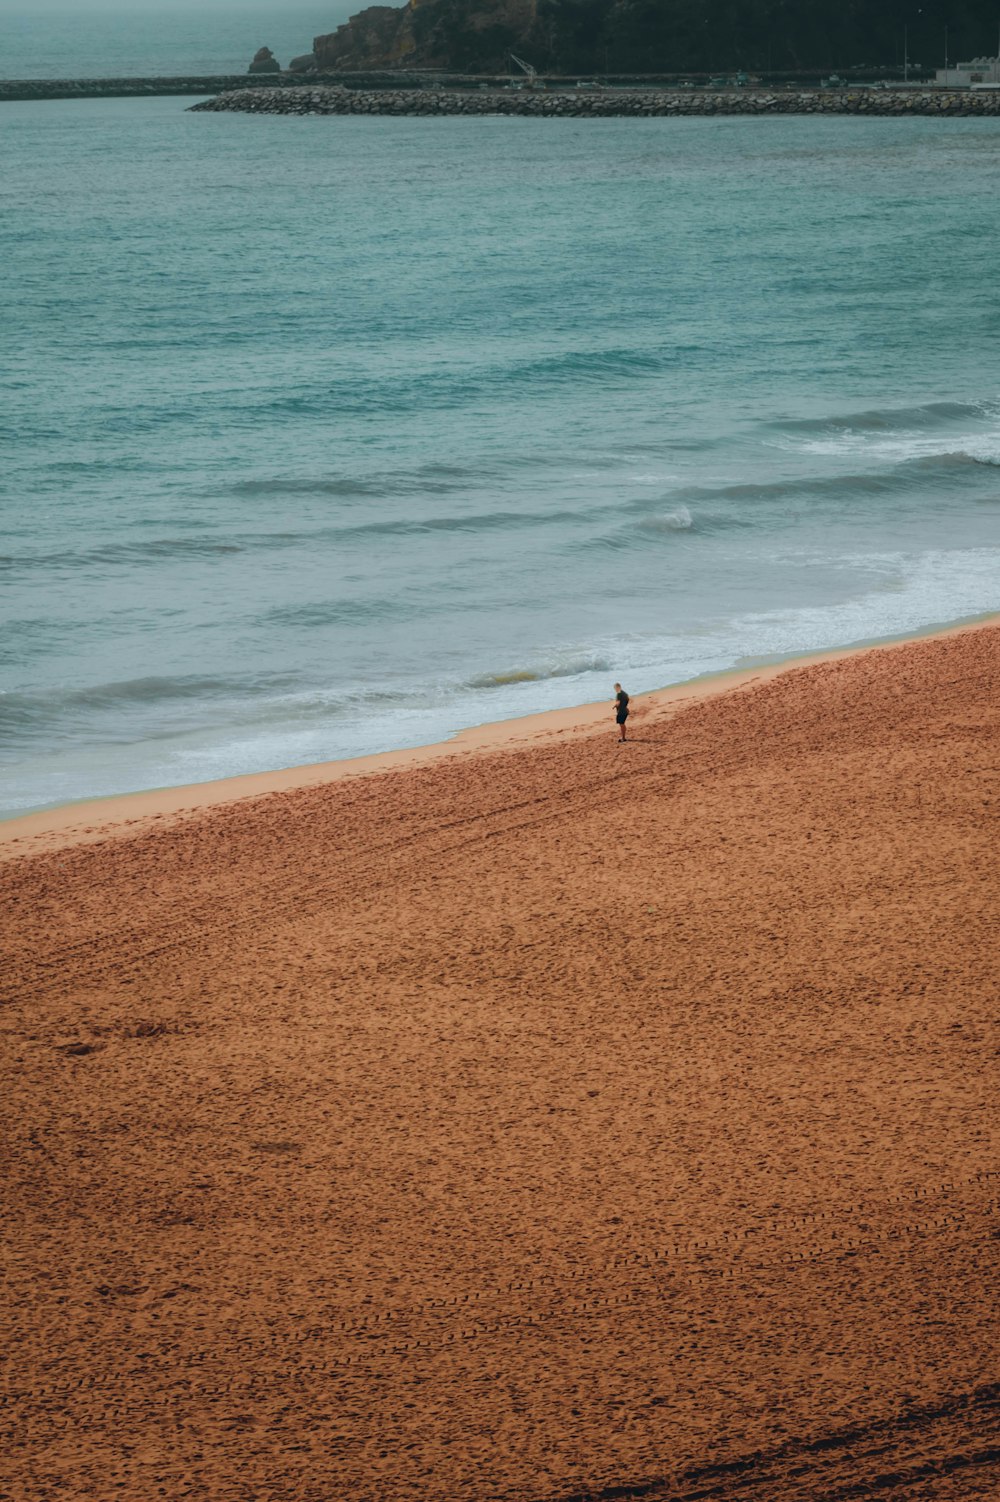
121,814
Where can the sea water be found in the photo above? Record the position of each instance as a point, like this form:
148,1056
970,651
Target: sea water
325,436
125,39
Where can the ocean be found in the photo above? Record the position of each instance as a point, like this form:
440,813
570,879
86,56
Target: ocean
194,38
327,436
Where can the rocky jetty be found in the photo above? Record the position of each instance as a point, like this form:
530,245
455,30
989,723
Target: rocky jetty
12,89
552,103
122,88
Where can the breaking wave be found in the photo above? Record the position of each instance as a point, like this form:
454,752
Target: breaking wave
563,667
678,520
925,417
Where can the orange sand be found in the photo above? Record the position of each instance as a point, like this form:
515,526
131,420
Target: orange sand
557,1121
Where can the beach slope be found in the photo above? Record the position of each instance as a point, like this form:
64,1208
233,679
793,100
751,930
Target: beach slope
562,1121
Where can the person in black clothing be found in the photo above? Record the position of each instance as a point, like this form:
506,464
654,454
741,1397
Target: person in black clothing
621,710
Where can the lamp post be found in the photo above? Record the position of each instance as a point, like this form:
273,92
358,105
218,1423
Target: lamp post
906,48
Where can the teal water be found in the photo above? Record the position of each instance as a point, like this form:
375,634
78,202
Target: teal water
326,436
59,39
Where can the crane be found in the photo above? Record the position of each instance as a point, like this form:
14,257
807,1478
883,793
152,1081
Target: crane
534,82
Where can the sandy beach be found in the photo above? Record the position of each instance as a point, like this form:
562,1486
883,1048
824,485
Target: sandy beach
530,1119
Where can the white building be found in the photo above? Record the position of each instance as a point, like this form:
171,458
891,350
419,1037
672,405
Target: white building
965,75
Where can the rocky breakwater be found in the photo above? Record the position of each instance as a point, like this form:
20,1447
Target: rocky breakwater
14,89
602,103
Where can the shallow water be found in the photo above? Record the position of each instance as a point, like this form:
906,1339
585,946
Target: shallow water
326,436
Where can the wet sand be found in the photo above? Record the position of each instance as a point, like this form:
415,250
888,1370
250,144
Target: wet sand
546,1121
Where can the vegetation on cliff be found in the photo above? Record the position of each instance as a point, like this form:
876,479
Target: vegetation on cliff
663,36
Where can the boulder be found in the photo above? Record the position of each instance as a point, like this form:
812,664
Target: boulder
304,64
264,62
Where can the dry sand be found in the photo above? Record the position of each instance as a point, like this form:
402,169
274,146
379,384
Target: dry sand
556,1121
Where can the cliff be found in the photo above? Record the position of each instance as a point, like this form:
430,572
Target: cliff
457,35
660,36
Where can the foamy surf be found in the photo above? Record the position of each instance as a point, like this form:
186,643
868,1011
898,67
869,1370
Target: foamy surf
677,520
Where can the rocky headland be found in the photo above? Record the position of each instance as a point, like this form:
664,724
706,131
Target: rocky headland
473,35
660,36
600,103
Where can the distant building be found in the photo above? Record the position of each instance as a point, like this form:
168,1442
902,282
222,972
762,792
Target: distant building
964,75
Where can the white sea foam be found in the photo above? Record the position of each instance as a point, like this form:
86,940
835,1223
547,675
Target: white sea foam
901,447
984,453
677,520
